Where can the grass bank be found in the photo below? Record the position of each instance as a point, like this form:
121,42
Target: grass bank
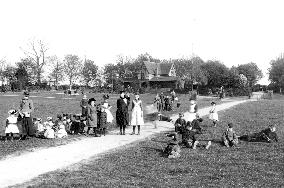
144,165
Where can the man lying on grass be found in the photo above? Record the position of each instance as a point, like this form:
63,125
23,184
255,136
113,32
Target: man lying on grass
267,135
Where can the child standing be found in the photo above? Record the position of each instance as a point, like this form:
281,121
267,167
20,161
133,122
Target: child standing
107,117
213,114
137,114
84,105
192,110
229,137
11,125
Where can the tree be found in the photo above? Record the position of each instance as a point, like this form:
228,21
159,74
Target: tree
3,65
216,73
111,75
190,71
89,71
72,67
22,74
57,70
276,73
37,54
10,74
251,72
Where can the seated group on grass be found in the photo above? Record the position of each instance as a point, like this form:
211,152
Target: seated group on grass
96,117
189,133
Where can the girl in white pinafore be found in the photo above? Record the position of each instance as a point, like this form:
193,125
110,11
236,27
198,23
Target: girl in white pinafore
192,111
11,125
137,114
213,114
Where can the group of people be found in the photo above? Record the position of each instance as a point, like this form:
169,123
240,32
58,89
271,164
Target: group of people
188,132
98,117
165,102
95,117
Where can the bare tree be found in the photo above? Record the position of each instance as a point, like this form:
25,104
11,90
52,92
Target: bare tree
72,67
36,52
57,69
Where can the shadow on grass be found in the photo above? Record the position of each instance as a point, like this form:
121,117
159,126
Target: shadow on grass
158,150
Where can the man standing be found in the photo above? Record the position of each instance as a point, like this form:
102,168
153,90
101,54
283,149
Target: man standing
122,115
26,108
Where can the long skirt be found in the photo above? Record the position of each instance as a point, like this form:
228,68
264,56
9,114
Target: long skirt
190,117
12,128
213,116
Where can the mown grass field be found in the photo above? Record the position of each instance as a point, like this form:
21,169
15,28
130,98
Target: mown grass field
45,107
144,165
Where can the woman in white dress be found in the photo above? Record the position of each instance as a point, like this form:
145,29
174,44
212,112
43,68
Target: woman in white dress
137,114
213,114
192,111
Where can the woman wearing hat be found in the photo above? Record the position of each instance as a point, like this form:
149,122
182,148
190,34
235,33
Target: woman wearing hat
122,115
26,108
92,121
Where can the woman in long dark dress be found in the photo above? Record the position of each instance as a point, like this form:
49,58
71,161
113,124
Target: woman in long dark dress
92,116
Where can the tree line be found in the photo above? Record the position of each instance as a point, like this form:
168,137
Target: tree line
190,71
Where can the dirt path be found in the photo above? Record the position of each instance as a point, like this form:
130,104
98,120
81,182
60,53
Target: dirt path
22,168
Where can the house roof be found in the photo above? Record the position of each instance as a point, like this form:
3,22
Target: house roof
163,79
165,68
162,68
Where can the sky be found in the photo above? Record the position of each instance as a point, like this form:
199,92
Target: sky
232,31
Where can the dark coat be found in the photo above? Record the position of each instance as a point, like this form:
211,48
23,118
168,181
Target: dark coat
122,116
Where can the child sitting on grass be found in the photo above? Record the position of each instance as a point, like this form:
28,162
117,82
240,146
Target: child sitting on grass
49,132
267,135
11,125
39,128
173,149
67,122
229,137
213,114
61,133
180,123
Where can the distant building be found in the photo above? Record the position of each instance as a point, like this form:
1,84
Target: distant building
155,75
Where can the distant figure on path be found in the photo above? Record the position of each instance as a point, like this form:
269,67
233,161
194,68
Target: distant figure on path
26,109
122,112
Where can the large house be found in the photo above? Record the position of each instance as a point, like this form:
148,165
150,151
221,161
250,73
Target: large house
155,75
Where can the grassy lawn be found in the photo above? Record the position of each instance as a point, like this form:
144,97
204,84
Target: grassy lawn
45,107
143,164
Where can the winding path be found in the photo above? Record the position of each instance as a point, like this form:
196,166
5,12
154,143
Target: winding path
19,169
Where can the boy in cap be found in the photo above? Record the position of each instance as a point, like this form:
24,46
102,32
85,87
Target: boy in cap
26,108
180,123
229,137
